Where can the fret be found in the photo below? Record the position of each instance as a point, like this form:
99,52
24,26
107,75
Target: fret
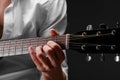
37,44
42,41
18,47
1,49
61,41
6,48
34,42
12,49
23,42
25,45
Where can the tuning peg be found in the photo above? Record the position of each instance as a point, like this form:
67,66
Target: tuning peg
88,58
98,33
117,24
102,57
89,27
117,58
84,34
98,47
113,47
83,47
103,26
113,32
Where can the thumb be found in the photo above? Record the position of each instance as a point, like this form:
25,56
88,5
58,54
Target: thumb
53,32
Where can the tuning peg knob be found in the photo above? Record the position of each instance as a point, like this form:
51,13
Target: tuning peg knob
83,47
113,47
117,58
98,47
89,27
113,32
98,33
88,58
84,34
102,57
117,24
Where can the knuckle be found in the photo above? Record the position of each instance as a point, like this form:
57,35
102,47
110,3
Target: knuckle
33,58
48,68
43,69
55,46
49,50
57,65
40,68
51,43
39,55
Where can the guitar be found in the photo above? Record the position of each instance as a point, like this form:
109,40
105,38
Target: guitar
94,41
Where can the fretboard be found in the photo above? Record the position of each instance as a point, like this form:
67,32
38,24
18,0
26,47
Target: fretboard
20,46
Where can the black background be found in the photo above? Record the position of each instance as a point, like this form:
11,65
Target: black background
80,14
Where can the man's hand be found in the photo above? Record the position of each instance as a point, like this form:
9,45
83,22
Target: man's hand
48,59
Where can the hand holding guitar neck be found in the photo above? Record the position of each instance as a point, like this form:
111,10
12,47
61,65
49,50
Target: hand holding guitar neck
88,41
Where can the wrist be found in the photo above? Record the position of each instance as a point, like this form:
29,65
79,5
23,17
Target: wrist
54,75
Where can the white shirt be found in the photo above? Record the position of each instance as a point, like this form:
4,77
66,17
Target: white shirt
32,18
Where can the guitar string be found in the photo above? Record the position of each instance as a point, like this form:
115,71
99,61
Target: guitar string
34,42
28,43
59,37
72,45
42,39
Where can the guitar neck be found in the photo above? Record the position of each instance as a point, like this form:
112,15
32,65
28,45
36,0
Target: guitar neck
96,41
20,46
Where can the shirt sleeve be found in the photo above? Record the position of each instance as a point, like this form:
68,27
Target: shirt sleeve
56,17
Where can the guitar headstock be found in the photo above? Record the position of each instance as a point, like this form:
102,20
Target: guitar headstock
101,41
